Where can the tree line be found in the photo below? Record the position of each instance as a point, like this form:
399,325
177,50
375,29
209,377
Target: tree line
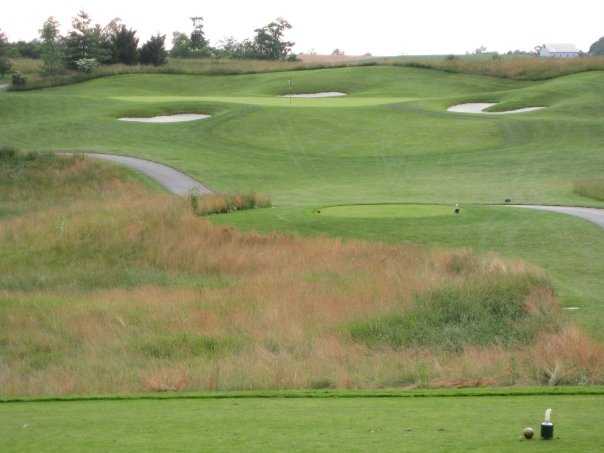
88,45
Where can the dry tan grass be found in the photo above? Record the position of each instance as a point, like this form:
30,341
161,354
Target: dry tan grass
521,68
225,203
330,59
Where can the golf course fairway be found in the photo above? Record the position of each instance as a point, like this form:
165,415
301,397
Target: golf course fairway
381,266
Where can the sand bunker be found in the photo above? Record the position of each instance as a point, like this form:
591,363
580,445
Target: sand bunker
3,86
328,94
480,107
179,118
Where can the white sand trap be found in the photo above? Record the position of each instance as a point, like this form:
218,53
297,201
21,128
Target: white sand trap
4,86
179,118
328,94
480,107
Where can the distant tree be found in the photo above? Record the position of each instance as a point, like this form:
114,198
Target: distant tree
198,36
597,48
153,51
25,49
124,44
231,48
269,41
181,45
86,41
4,61
52,51
193,45
480,50
338,52
228,47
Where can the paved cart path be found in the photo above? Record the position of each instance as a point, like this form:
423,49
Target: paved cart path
171,179
593,215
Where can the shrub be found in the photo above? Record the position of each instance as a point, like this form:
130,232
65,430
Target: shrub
7,153
87,65
597,48
183,345
568,358
153,51
19,80
124,45
501,310
10,154
5,64
225,203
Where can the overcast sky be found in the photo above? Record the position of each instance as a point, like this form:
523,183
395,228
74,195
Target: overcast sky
377,26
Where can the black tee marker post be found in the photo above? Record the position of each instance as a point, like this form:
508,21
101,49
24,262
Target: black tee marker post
547,427
457,208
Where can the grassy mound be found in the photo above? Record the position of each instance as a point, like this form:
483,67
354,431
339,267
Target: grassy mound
519,68
31,181
590,188
135,292
506,310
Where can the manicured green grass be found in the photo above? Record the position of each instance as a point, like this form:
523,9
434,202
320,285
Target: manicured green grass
387,211
591,188
390,140
323,424
274,101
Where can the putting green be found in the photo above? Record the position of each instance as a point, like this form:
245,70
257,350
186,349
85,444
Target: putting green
273,101
388,211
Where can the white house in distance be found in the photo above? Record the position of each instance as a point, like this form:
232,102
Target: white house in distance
559,51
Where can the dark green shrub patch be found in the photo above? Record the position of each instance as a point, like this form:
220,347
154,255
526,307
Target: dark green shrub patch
498,310
185,345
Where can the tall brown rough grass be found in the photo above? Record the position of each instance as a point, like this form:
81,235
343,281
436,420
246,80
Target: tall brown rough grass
519,68
201,66
225,203
206,307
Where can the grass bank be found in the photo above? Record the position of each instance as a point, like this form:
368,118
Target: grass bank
590,188
137,293
202,66
508,67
